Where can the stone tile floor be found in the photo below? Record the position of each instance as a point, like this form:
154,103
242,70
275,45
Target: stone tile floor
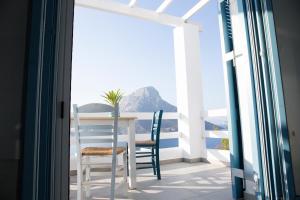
180,181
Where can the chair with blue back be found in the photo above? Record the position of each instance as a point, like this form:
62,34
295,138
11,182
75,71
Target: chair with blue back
150,148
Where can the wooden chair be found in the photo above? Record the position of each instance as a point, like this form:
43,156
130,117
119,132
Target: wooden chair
94,141
151,146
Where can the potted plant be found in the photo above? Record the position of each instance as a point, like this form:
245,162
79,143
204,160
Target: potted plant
113,97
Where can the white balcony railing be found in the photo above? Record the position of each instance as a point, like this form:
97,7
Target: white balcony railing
172,153
217,154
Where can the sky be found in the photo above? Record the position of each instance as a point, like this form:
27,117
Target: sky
112,51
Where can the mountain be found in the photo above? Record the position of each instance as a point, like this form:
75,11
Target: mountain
146,99
94,107
214,127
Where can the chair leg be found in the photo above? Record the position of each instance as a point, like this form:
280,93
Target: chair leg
157,164
79,182
88,179
153,161
125,167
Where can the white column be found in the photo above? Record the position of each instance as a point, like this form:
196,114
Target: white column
189,92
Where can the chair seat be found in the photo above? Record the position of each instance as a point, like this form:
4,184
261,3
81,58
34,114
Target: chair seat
145,143
101,151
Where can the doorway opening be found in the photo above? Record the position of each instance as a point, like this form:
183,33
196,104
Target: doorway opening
174,64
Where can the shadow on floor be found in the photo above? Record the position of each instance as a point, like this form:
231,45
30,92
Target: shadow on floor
180,181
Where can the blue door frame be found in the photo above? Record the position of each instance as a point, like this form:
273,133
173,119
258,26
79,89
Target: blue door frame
47,104
46,125
39,101
283,147
236,148
269,83
275,157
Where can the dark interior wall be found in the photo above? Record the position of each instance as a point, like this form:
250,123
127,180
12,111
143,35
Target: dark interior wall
287,23
13,28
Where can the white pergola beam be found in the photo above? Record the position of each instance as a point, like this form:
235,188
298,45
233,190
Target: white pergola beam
163,6
195,9
123,9
132,3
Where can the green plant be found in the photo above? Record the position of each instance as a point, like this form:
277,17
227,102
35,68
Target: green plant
225,144
113,97
216,128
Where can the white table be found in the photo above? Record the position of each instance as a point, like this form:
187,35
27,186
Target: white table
124,121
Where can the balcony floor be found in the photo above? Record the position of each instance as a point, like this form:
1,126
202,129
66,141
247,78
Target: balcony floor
180,181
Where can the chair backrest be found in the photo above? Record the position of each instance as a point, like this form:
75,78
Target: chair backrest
95,134
156,124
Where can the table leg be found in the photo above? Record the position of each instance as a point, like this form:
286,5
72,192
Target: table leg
131,154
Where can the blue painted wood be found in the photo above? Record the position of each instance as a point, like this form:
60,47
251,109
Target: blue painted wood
264,100
46,129
278,99
236,149
154,148
40,101
277,171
